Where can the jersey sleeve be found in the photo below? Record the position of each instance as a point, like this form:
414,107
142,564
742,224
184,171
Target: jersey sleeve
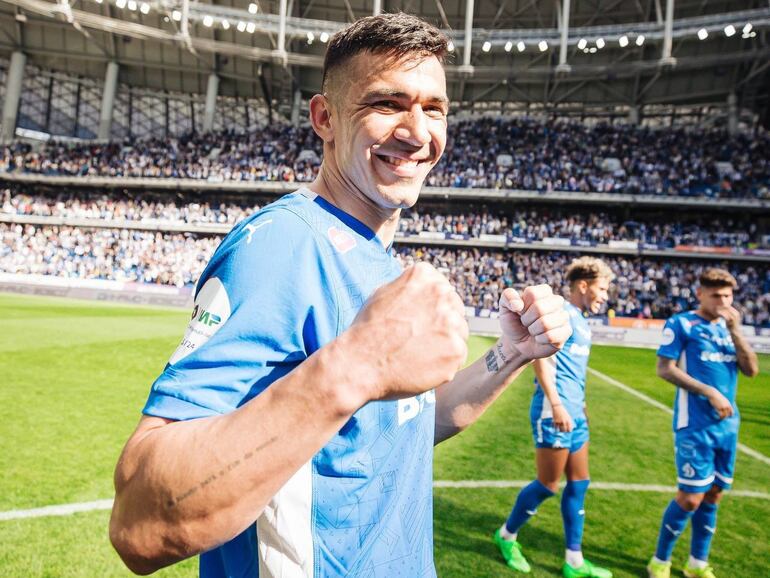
263,305
673,339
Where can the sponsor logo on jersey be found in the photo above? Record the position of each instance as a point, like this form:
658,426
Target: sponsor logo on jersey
211,310
584,332
341,240
411,407
717,357
723,341
688,471
580,350
668,336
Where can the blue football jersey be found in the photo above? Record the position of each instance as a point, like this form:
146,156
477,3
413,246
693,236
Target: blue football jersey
568,367
283,283
705,351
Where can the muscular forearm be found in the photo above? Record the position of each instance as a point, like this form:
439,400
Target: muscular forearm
746,358
463,400
185,487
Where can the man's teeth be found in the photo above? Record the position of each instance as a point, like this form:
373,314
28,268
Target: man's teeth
400,162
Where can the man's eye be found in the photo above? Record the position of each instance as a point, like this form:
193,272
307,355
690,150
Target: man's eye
435,111
388,104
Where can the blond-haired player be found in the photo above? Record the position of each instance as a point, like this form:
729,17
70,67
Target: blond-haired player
560,427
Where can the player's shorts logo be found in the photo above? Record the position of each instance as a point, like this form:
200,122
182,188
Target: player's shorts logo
688,471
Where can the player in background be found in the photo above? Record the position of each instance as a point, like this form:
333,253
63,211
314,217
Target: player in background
701,354
560,427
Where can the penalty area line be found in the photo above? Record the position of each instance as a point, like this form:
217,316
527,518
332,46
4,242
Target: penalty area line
69,509
630,390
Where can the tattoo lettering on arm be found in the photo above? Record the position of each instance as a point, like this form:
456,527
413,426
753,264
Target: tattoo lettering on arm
173,502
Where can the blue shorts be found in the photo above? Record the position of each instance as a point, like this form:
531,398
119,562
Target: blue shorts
706,457
547,436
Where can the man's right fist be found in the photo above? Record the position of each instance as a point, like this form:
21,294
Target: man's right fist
410,336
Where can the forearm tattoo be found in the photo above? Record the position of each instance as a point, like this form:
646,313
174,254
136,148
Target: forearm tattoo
495,358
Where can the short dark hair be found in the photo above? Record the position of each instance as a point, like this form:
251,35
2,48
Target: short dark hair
396,34
717,278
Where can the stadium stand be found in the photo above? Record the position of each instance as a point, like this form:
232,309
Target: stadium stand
497,153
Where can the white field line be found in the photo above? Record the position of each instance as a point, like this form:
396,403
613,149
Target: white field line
69,509
60,510
742,447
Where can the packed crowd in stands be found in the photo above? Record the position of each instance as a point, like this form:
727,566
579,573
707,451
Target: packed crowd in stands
529,225
484,152
644,288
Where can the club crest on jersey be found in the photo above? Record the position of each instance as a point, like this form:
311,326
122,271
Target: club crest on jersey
688,471
411,407
341,240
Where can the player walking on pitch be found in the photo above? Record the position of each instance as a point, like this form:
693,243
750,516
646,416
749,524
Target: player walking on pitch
560,428
701,354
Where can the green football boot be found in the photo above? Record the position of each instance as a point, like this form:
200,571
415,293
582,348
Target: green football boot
587,570
658,569
707,572
511,551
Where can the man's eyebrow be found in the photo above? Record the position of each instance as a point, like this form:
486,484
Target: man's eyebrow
386,93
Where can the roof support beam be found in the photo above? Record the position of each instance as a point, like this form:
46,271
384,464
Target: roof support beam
377,8
668,32
466,66
563,66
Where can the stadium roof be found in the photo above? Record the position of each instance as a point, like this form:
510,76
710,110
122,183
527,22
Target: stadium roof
612,53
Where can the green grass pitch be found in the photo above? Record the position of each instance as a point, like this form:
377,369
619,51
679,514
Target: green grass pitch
75,376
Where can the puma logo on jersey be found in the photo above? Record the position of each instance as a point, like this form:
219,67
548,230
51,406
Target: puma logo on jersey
251,228
411,407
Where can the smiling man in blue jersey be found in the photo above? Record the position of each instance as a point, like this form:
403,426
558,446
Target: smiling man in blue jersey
560,428
701,354
291,433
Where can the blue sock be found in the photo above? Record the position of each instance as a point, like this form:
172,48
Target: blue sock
704,524
573,512
674,522
526,505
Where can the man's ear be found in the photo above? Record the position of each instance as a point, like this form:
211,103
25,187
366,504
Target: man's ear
321,117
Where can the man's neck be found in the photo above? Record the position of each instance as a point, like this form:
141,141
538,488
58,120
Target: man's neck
383,222
707,316
577,301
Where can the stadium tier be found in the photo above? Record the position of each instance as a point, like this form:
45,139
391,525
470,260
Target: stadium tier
644,288
489,153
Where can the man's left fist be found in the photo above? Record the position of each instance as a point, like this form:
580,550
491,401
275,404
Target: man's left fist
535,323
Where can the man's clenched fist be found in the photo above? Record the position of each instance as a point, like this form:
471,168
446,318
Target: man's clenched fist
534,324
410,336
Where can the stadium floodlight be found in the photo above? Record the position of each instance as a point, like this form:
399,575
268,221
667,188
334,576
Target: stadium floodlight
521,46
122,4
253,8
324,37
487,46
729,30
623,41
225,24
508,46
144,8
582,43
640,40
600,43
451,46
543,46
251,28
310,37
132,5
241,26
703,34
747,28
208,21
176,15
